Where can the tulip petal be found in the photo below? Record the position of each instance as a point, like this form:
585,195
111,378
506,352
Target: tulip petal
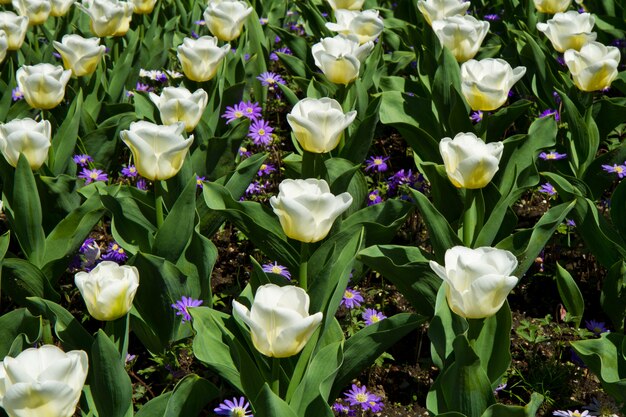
292,339
46,399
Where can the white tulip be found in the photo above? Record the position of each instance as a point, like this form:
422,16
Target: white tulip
570,30
477,280
318,124
552,6
79,54
177,104
365,25
225,18
108,289
43,85
159,151
28,137
279,320
485,84
439,9
340,57
307,209
15,28
60,7
4,45
470,162
37,11
346,4
108,17
42,382
201,58
594,67
143,6
463,35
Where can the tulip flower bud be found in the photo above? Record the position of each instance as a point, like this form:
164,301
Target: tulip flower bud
200,58
4,45
340,57
177,104
108,17
477,280
143,6
552,6
365,25
307,209
594,67
108,289
279,320
15,28
570,30
318,124
159,151
225,18
60,7
485,84
462,35
28,137
37,11
43,85
79,54
470,162
42,382
440,9
346,4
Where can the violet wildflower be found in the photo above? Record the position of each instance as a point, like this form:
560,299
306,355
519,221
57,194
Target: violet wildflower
182,308
374,198
620,170
263,21
570,223
200,181
115,253
91,253
351,298
200,23
492,17
372,316
194,35
343,410
250,110
561,60
550,112
129,171
234,408
362,397
547,188
552,156
284,50
567,413
82,160
143,87
91,175
277,269
402,177
476,116
244,152
254,188
260,132
265,169
142,184
17,94
233,113
130,358
377,163
597,327
270,79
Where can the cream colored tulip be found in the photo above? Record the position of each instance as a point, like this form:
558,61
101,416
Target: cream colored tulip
440,9
485,84
346,4
307,209
279,320
79,54
594,67
37,11
477,280
43,85
570,30
143,6
15,28
318,124
28,137
365,25
42,382
4,45
60,7
462,35
159,151
552,6
201,58
340,57
108,289
225,18
177,104
108,17
470,162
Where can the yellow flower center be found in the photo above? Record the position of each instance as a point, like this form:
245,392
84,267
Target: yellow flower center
277,269
348,295
362,398
93,175
270,80
261,132
619,169
238,114
378,161
375,319
373,197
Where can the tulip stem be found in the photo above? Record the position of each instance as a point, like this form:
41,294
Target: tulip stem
275,381
158,202
308,165
304,264
117,330
46,333
473,216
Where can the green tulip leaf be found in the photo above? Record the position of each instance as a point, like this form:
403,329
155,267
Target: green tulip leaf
18,323
444,327
530,410
64,140
268,404
190,397
22,279
613,296
570,294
